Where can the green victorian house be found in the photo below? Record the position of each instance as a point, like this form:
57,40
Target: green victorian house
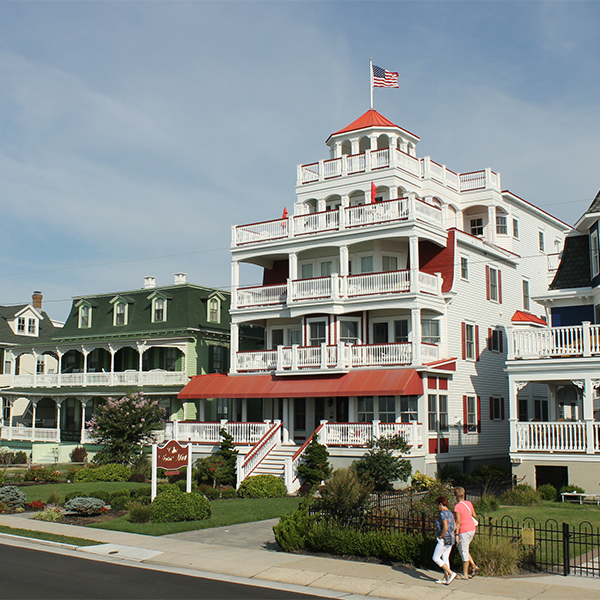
151,339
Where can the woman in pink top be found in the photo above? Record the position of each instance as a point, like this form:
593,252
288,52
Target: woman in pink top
464,519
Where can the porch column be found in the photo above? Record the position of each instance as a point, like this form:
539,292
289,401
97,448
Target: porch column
285,421
353,409
35,373
291,418
321,204
202,409
513,409
355,146
492,224
58,424
59,367
588,411
244,410
234,343
293,265
33,411
415,332
414,263
235,282
82,432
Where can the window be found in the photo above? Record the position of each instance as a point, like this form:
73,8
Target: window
438,413
120,313
317,333
476,226
159,312
516,229
464,267
380,333
401,331
387,409
85,316
469,346
540,409
222,409
408,409
430,331
326,268
501,225
214,309
295,337
594,249
495,340
389,263
306,271
470,416
541,241
526,299
365,409
597,314
366,264
496,409
349,332
218,355
300,414
493,284
21,325
276,338
31,326
40,365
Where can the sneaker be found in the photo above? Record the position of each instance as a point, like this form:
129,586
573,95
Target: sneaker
451,579
441,581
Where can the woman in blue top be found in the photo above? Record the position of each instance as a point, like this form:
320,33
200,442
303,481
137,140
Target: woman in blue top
444,531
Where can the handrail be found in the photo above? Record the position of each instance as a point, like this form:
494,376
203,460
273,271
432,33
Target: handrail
306,443
261,443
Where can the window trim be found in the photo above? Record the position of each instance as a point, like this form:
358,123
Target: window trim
515,230
358,322
467,345
595,253
464,268
117,302
500,225
541,241
471,425
497,408
526,295
85,306
490,286
309,322
209,311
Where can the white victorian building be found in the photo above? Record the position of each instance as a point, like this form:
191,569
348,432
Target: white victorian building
554,372
385,298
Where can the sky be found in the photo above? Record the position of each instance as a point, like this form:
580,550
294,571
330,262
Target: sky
133,135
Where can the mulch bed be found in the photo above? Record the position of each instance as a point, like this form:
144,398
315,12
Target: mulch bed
109,515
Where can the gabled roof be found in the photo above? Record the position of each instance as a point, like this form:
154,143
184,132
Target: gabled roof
521,316
370,119
7,335
574,268
594,206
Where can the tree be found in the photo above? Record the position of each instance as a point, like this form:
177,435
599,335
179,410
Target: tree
228,453
316,467
124,426
380,466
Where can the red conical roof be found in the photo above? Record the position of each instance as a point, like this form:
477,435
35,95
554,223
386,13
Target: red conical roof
370,119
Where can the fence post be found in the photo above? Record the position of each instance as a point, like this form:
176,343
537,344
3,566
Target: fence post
566,549
423,524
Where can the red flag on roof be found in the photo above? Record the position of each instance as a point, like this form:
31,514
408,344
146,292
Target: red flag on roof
373,192
285,213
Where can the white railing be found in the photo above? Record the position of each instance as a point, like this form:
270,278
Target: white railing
553,261
261,296
360,434
368,355
154,377
378,283
257,360
549,342
356,163
87,438
472,181
380,158
429,213
332,168
411,432
452,179
409,163
310,173
428,283
30,434
210,432
429,352
260,232
328,220
291,467
596,429
551,437
308,356
309,289
247,464
374,213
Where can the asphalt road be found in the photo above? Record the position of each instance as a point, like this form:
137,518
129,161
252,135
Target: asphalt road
39,575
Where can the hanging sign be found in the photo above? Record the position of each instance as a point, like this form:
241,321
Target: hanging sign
171,457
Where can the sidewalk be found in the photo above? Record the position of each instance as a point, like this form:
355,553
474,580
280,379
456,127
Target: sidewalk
216,552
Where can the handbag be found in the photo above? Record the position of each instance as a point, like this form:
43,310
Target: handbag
448,539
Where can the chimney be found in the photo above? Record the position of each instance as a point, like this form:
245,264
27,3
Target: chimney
149,282
37,300
180,277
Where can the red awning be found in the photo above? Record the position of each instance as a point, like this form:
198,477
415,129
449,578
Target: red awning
383,382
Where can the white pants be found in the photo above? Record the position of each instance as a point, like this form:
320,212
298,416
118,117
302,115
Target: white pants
441,554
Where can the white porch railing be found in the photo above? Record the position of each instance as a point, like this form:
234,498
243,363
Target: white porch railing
154,377
30,434
328,220
310,289
429,352
261,296
247,464
429,213
209,432
369,355
257,360
260,232
380,212
560,342
551,437
360,434
429,283
378,283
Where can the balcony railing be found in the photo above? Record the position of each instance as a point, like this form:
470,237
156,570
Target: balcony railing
340,357
554,342
154,377
360,434
556,437
337,287
349,217
209,432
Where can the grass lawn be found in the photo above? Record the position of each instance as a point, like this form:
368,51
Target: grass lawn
42,492
562,512
224,512
40,535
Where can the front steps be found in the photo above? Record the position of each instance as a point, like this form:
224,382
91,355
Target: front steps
273,463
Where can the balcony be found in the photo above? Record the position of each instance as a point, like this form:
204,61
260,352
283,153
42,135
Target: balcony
360,434
337,287
209,432
556,437
331,358
350,217
41,434
555,342
125,378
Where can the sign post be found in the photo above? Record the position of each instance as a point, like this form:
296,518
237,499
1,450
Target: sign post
171,457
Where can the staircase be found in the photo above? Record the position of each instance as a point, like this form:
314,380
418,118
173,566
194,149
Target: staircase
273,463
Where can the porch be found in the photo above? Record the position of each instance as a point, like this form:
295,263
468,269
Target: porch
557,437
23,433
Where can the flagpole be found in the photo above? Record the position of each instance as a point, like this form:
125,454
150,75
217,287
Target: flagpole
371,78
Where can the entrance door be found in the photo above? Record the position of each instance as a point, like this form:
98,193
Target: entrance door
341,406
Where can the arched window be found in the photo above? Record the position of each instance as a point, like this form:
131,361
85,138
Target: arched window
214,309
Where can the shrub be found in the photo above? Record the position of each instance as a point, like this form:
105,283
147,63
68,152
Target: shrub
490,478
71,473
497,556
548,492
568,489
210,492
108,472
79,454
380,466
120,502
452,474
228,454
173,505
77,494
36,505
12,497
50,513
47,474
291,533
138,478
141,468
228,493
84,506
427,503
419,481
182,484
53,498
521,495
139,513
345,496
486,504
104,495
262,486
142,492
315,466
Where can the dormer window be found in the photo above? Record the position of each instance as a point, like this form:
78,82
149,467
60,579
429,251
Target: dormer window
21,325
32,326
120,313
214,310
159,310
85,316
26,322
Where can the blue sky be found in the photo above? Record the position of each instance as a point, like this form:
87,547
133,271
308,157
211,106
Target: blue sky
134,134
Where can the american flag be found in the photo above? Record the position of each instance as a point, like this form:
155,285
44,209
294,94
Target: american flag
384,78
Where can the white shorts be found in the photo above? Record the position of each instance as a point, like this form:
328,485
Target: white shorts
464,540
